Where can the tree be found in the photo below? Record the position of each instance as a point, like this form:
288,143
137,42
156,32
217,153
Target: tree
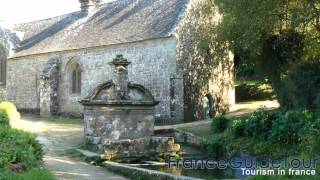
276,33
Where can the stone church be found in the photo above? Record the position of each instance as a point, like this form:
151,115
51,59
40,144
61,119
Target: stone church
48,66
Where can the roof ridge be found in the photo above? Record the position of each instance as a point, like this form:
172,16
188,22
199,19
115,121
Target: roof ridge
46,19
62,15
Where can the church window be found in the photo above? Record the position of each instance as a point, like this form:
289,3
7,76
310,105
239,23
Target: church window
76,80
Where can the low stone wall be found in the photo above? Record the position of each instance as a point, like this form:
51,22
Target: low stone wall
167,121
130,171
182,137
29,111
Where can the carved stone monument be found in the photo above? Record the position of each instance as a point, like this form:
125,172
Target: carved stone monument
119,117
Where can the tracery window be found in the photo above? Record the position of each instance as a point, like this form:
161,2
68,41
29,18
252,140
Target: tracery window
76,80
74,75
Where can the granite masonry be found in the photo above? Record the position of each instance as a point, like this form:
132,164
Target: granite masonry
119,119
118,109
46,60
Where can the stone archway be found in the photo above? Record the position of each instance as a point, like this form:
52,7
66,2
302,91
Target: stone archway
208,106
48,88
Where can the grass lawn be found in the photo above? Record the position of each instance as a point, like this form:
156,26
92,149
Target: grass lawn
199,130
247,82
253,90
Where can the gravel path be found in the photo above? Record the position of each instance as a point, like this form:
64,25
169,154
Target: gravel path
57,137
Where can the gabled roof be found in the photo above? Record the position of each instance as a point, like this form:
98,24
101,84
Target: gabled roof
116,22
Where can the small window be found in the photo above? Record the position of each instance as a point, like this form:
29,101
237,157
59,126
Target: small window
3,66
74,76
75,79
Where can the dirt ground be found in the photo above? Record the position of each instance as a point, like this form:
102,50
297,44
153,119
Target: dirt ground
59,135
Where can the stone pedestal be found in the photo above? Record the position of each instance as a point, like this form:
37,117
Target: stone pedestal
119,118
116,122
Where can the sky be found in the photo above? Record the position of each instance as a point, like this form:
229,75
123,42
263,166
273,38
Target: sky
18,11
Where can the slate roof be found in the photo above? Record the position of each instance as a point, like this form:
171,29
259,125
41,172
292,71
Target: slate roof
116,22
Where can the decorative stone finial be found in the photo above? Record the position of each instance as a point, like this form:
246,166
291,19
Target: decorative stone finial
120,61
122,80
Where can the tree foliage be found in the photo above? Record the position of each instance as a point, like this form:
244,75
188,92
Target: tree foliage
248,24
276,35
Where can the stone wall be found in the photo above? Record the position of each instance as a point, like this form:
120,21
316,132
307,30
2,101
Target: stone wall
153,66
3,57
23,77
48,88
8,40
207,68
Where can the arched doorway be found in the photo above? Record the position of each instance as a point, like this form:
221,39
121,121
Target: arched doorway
207,105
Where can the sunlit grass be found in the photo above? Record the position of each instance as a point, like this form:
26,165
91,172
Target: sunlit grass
199,130
237,83
54,119
47,126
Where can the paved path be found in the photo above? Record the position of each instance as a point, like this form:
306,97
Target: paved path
57,137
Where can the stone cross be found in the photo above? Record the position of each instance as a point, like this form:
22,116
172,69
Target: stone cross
122,79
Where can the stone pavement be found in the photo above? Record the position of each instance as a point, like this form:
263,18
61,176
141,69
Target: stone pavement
70,169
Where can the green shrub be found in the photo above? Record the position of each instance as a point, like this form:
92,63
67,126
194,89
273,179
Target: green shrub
259,124
289,128
275,126
11,110
4,120
303,85
33,174
17,146
214,148
238,128
310,134
219,124
276,133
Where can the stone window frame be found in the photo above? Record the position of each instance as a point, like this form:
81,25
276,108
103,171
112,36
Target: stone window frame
76,80
3,66
74,72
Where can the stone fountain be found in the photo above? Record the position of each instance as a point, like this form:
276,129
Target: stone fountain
119,119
